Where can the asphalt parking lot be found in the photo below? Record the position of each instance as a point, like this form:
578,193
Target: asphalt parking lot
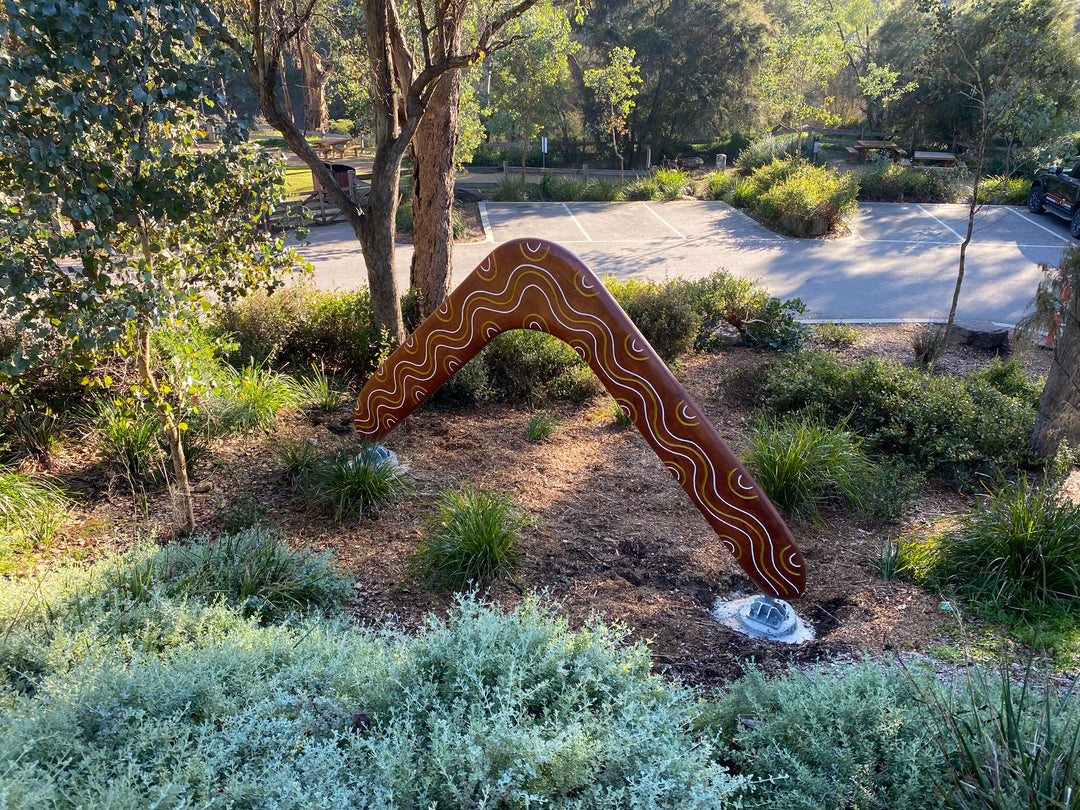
898,262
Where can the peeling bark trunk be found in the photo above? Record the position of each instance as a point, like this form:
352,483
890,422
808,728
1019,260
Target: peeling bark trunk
433,148
315,74
1058,416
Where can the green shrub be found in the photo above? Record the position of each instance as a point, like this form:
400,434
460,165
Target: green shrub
484,709
837,333
670,183
1004,190
32,511
317,389
1017,553
511,189
643,188
719,186
345,485
765,151
803,465
896,183
526,364
127,435
471,539
540,426
599,190
952,428
299,325
837,737
774,326
661,311
721,297
559,188
251,398
802,199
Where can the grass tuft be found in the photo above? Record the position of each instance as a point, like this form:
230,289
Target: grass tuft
348,486
540,426
471,539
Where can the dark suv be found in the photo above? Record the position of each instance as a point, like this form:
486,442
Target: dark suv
1057,191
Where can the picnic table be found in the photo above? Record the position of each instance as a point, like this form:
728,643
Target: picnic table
334,147
937,158
863,148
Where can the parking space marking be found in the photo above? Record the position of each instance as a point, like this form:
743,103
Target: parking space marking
939,222
1038,225
673,228
575,219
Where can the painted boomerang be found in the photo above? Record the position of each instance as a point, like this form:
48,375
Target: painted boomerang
532,284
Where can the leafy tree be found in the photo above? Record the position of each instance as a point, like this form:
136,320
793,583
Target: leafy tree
112,221
797,68
528,79
698,62
615,89
1016,66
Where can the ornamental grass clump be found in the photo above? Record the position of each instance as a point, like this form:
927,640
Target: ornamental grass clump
344,484
471,539
1019,552
32,511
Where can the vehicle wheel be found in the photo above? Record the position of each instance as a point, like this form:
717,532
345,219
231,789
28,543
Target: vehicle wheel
1035,201
1074,225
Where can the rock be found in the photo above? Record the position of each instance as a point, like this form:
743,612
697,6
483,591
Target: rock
203,487
984,335
469,194
691,162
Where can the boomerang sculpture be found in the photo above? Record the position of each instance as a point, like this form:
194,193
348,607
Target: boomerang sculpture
532,284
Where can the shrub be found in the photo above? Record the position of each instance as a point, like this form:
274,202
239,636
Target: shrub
266,326
644,188
834,737
1019,553
719,186
484,709
663,314
317,389
803,465
774,326
32,511
127,435
251,398
511,189
896,183
765,151
837,333
540,426
950,427
560,188
1004,190
471,539
598,190
335,481
526,364
801,199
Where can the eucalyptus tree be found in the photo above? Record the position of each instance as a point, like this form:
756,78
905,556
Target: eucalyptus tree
698,60
615,86
112,220
529,78
1014,65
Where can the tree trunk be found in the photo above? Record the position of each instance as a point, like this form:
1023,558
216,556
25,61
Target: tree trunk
377,240
285,92
1058,416
315,73
172,432
972,208
433,148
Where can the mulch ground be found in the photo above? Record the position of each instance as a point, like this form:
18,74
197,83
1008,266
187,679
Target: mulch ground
609,532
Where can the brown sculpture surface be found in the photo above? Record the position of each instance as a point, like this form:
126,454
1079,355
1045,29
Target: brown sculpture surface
533,284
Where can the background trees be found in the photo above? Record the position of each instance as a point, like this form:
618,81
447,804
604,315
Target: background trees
112,220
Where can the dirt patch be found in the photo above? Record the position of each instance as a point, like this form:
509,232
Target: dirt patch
609,530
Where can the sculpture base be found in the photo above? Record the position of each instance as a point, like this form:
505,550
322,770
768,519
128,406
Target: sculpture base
762,617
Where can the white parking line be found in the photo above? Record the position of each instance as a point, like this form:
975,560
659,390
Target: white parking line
571,214
673,228
1037,225
939,222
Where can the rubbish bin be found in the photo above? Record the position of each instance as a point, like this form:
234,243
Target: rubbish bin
343,173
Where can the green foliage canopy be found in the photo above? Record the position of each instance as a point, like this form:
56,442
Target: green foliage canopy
112,217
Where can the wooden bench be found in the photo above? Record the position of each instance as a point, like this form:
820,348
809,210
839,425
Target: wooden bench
852,155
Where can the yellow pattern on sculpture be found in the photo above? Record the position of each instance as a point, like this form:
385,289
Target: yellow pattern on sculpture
532,284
